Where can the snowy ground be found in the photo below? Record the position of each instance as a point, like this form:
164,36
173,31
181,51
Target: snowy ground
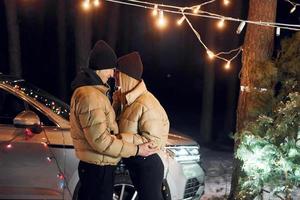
218,168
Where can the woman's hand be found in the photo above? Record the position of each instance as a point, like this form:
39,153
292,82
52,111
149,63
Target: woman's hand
147,149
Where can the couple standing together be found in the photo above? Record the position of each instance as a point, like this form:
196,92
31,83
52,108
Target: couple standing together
100,141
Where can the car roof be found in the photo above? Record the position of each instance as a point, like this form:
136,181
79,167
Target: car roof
4,77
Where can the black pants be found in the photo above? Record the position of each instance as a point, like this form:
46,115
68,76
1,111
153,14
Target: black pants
96,181
147,176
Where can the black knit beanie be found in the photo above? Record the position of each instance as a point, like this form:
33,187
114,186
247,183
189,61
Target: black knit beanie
131,65
102,56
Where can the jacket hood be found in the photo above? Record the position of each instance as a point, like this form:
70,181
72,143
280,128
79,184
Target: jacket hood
86,77
139,90
131,88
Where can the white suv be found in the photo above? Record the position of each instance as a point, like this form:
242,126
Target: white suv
37,159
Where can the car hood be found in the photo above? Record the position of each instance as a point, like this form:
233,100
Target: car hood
180,139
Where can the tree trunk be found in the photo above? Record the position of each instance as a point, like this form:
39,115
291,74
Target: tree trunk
230,115
13,38
257,49
61,33
83,37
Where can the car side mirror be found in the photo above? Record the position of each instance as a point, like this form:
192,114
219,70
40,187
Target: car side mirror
28,119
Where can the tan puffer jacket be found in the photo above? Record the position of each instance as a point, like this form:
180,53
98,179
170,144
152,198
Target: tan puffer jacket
143,118
92,121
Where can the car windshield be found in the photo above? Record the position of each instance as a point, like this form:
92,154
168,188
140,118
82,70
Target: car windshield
57,106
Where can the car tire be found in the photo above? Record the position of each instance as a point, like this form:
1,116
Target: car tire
124,189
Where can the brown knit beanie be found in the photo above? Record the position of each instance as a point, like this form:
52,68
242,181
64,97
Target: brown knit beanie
131,65
102,56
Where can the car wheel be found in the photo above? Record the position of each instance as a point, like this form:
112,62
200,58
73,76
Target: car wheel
124,189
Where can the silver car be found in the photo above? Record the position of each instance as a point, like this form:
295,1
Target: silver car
37,159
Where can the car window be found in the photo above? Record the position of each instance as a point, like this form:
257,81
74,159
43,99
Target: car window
11,106
57,106
44,119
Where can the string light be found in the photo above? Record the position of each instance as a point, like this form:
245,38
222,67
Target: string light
60,176
205,14
193,11
241,27
179,22
62,183
161,23
294,6
49,159
277,31
293,9
221,23
196,9
155,10
86,4
226,2
210,54
227,65
45,144
96,3
28,133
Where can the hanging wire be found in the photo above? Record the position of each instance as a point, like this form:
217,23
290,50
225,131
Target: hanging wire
196,10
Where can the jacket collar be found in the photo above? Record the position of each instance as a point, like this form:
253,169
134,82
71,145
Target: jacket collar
136,92
103,88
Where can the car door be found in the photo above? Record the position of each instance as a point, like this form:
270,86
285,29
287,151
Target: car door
28,169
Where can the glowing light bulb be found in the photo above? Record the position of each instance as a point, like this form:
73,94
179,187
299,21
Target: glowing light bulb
241,27
210,54
161,20
60,176
196,9
227,65
221,23
277,31
293,9
9,146
86,5
155,10
96,3
49,159
45,144
226,2
179,22
28,132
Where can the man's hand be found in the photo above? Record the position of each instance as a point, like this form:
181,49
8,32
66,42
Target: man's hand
147,149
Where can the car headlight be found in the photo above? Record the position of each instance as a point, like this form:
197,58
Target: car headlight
184,153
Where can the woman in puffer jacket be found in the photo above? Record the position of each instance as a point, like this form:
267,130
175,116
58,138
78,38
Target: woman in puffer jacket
142,119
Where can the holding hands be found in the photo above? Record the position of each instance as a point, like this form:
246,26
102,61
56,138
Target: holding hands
147,149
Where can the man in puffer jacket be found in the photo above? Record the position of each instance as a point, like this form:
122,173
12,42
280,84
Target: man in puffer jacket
93,124
142,119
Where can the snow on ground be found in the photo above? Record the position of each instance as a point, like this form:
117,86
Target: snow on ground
218,168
